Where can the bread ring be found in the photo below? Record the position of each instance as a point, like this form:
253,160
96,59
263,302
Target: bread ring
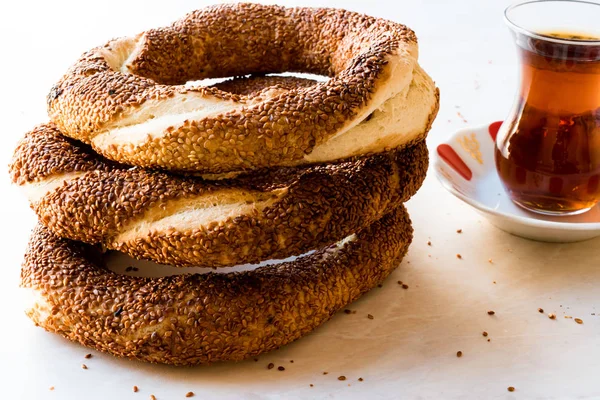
186,221
196,319
128,99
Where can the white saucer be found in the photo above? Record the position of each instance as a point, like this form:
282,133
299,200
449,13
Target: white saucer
465,166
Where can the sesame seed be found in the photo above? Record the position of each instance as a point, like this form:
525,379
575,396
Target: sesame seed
281,368
270,366
552,316
83,366
341,378
491,312
541,310
459,256
88,356
189,394
579,320
370,316
511,389
484,333
459,353
135,389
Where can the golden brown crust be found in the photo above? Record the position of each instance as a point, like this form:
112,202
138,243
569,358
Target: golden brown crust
231,40
38,156
311,205
198,319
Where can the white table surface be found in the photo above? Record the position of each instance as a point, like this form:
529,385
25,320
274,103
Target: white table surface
409,349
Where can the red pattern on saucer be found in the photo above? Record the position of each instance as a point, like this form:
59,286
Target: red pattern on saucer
494,128
448,154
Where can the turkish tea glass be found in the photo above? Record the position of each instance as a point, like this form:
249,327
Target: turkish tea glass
548,149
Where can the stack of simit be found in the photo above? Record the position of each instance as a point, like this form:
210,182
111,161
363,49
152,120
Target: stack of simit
137,160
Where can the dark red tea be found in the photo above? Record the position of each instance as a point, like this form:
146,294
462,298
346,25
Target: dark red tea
549,155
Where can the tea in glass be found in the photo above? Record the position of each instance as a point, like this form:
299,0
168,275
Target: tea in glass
548,150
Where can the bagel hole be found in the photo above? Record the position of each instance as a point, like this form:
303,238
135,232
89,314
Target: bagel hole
225,83
303,75
207,82
122,264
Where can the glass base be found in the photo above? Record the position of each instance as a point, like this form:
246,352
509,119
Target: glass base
552,213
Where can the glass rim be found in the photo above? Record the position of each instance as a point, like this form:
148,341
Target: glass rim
536,35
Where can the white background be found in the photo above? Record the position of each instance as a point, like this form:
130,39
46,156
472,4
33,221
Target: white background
409,349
